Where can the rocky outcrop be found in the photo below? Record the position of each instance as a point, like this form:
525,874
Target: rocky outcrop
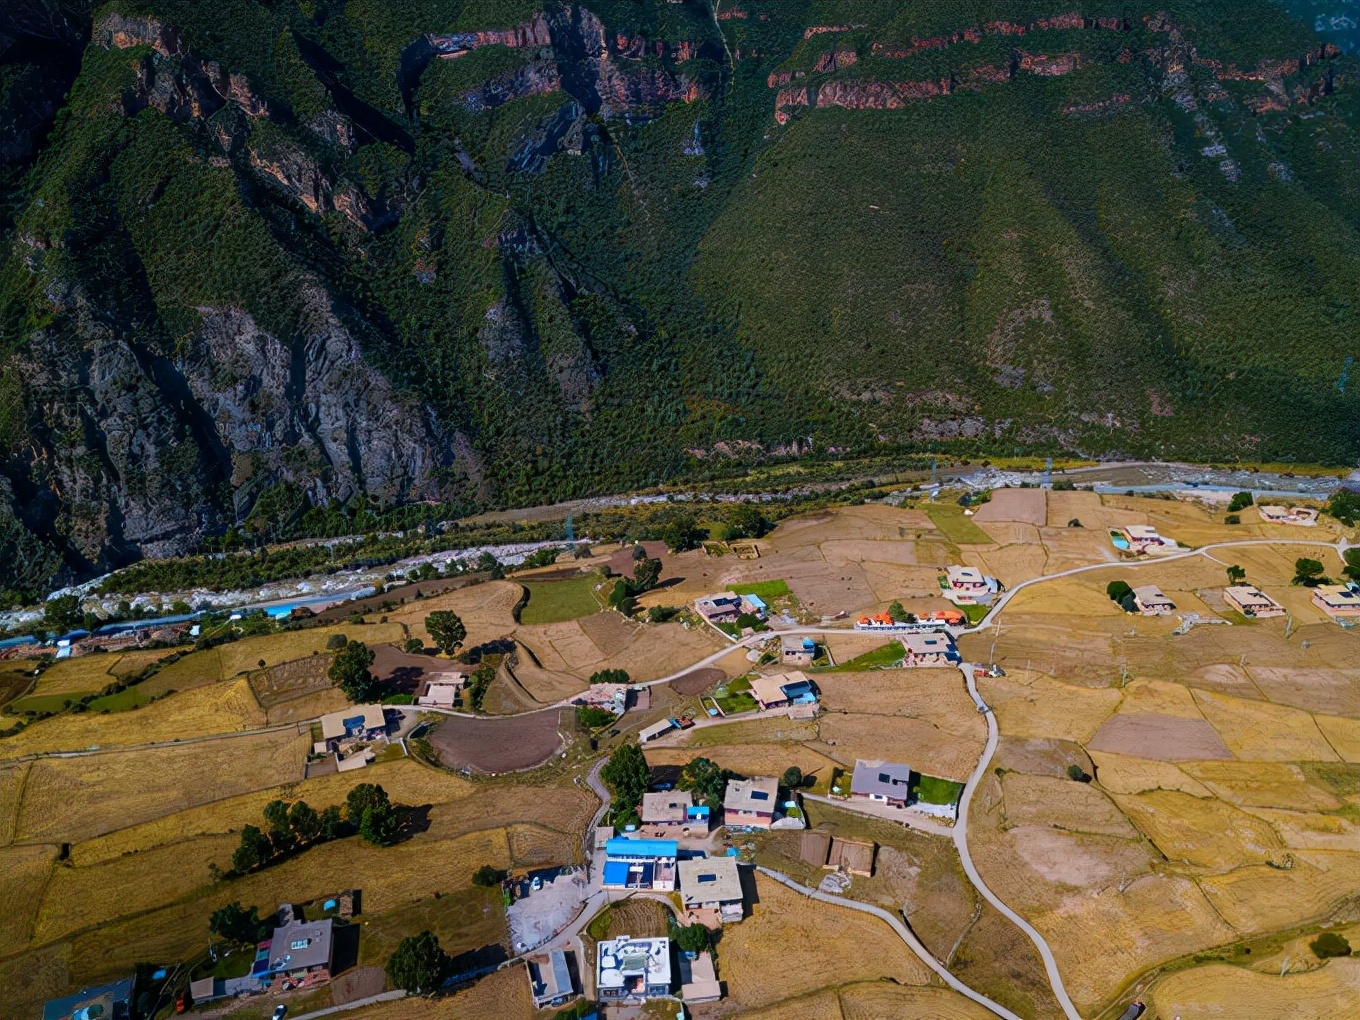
132,450
115,30
537,78
298,173
534,32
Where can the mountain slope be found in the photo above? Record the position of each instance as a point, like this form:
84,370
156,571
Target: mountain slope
505,252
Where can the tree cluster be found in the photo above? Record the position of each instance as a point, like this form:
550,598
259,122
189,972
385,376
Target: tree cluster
349,671
707,781
627,776
291,827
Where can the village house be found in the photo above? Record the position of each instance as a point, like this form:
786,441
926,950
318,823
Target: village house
640,864
720,607
755,605
796,651
442,689
783,689
1338,600
1142,539
550,981
669,807
357,723
300,953
937,620
968,586
1251,601
750,803
930,649
1301,515
712,884
1151,601
882,782
631,970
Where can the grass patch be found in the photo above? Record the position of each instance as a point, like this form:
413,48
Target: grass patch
975,614
738,697
556,601
879,658
932,790
762,589
131,697
955,526
45,702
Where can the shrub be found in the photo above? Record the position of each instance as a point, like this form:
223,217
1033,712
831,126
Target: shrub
1330,944
1077,774
593,718
662,614
1344,505
1232,519
414,646
792,777
611,676
1118,590
418,964
488,876
335,642
1240,501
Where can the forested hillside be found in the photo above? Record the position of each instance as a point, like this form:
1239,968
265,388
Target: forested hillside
288,254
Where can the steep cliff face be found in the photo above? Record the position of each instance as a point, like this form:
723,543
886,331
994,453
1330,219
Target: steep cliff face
559,253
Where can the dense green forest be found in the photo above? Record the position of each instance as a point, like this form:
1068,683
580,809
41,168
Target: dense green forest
313,266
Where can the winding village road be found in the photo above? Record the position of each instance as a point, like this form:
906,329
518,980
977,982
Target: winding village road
959,833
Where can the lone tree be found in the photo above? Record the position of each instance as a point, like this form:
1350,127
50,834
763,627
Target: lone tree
706,780
487,876
418,964
1077,774
447,630
792,778
1344,505
62,613
238,924
898,613
646,574
1352,567
349,671
1236,575
1329,943
1240,501
370,810
1309,572
692,938
1118,590
626,774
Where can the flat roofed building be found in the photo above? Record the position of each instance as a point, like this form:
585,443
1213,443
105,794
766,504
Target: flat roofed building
300,948
655,730
966,578
712,883
629,969
1151,601
550,981
1338,600
1303,515
1250,600
881,781
720,607
935,648
698,979
640,864
670,807
750,803
797,651
100,1002
359,722
769,691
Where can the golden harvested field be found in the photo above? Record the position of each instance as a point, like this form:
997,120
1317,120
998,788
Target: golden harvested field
220,708
464,920
11,792
194,670
484,608
747,759
24,872
1033,705
1261,899
405,781
776,730
1100,939
1263,784
1207,833
877,1000
1343,735
924,746
84,897
1118,773
70,799
245,655
784,950
1063,804
1331,992
1261,732
390,878
646,651
137,659
503,995
85,674
1306,830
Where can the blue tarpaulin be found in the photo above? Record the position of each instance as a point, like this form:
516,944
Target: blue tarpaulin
616,873
621,847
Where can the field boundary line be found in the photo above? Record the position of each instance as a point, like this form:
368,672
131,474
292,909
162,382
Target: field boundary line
903,932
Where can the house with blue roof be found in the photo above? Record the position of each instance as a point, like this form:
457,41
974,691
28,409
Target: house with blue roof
102,1002
640,864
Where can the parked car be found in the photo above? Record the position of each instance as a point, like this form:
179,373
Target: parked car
280,1011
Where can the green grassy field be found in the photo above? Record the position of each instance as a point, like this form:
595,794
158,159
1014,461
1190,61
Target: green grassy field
761,589
956,527
131,697
738,697
937,791
887,655
555,601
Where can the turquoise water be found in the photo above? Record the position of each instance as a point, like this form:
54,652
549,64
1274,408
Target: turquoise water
1119,541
